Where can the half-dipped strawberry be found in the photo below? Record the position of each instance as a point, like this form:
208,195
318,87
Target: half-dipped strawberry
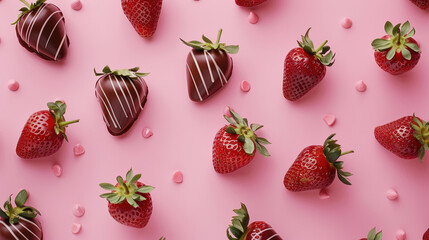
305,67
423,4
122,95
130,202
235,144
249,3
143,15
397,52
19,222
40,28
407,137
44,132
373,235
208,67
316,167
241,230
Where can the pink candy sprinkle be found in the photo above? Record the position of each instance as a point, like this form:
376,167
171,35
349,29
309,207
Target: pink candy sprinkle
253,18
147,133
392,194
178,177
78,150
78,210
324,194
76,227
329,119
401,235
13,85
226,111
245,86
360,86
346,23
57,170
76,5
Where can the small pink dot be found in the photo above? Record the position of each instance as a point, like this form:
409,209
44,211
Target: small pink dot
346,23
253,18
13,85
392,194
178,177
324,194
401,235
76,5
147,133
78,210
57,170
76,227
78,150
360,86
226,111
245,86
329,119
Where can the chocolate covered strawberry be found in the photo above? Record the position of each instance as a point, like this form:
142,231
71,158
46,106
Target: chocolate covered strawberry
130,202
249,3
44,132
122,95
407,137
40,28
423,4
241,230
397,52
19,222
235,144
143,15
305,67
373,235
316,167
208,67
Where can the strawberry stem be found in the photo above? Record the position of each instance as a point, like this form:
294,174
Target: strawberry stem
26,3
321,46
344,153
63,124
218,38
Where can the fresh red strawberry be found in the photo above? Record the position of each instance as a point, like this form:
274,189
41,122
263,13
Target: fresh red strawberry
44,132
143,15
423,4
249,3
407,137
397,52
20,220
305,67
241,230
373,235
130,202
315,167
235,145
426,235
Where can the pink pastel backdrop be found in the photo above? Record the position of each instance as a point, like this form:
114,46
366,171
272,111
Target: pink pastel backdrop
201,207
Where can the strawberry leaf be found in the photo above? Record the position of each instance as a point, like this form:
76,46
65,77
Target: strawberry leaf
406,54
21,198
390,54
249,146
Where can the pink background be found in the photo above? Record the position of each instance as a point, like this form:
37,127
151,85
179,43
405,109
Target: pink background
201,207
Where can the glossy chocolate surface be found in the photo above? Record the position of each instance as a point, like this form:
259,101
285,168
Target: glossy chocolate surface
207,72
121,100
43,31
23,230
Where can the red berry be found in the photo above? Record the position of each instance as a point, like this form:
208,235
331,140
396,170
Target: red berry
304,68
423,4
249,3
143,15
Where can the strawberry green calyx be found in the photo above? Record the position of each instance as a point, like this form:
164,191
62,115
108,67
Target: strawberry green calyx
398,41
239,224
131,73
28,8
57,110
20,211
422,134
322,53
126,190
209,45
374,235
247,134
332,152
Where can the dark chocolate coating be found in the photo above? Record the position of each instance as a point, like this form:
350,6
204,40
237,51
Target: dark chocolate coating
31,229
121,100
43,31
207,72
